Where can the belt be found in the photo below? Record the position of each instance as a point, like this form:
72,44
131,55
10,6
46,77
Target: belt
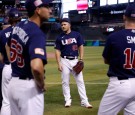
23,78
69,57
122,78
7,63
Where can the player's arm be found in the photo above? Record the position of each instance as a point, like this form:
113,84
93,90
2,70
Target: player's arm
58,56
38,72
81,51
106,61
80,42
1,58
8,51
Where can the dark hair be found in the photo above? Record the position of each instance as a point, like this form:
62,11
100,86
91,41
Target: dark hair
14,20
30,13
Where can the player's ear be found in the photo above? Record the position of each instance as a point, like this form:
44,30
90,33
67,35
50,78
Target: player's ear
124,17
70,25
37,11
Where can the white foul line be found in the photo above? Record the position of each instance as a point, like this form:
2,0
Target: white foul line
89,83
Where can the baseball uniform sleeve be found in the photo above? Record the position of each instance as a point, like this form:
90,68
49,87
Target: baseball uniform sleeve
9,41
2,41
107,50
37,48
80,40
57,44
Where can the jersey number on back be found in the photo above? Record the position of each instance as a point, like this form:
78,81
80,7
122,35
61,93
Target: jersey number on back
16,53
129,63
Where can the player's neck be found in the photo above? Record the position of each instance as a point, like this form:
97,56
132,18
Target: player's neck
129,25
67,32
35,20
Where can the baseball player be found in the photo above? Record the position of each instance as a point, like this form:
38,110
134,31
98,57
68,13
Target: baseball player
67,46
119,53
28,57
1,68
14,17
4,26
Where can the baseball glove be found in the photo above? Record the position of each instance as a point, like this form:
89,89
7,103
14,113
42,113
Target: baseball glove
78,67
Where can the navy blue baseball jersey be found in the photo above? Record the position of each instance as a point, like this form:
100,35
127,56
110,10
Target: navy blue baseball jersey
4,36
119,51
1,65
68,43
27,43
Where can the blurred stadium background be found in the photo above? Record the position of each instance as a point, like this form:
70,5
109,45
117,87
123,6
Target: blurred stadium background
95,20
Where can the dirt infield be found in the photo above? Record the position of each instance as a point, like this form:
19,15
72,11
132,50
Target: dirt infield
50,55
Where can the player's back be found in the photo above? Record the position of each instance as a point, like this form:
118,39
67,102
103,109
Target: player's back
120,52
25,37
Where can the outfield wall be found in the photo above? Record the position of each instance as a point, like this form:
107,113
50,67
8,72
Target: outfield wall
87,43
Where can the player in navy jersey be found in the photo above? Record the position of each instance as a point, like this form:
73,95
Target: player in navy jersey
28,57
1,68
4,26
119,54
14,16
67,46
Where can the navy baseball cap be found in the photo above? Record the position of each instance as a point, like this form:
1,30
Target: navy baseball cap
14,13
130,11
31,5
65,20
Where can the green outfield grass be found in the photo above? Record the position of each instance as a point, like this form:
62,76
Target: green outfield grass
94,77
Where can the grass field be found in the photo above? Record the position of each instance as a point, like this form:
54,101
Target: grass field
95,81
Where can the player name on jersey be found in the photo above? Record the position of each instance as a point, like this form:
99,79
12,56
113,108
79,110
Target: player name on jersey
131,39
68,41
21,33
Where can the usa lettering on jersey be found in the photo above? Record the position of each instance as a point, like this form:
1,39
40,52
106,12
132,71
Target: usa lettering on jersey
68,41
21,33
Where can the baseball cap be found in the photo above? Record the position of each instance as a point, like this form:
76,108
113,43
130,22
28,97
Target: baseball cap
14,13
130,11
31,5
65,20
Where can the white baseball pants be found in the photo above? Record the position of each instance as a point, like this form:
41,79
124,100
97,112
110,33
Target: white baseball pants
67,66
119,95
25,98
6,77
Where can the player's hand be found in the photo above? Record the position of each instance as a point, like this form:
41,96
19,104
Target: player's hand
44,89
59,67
